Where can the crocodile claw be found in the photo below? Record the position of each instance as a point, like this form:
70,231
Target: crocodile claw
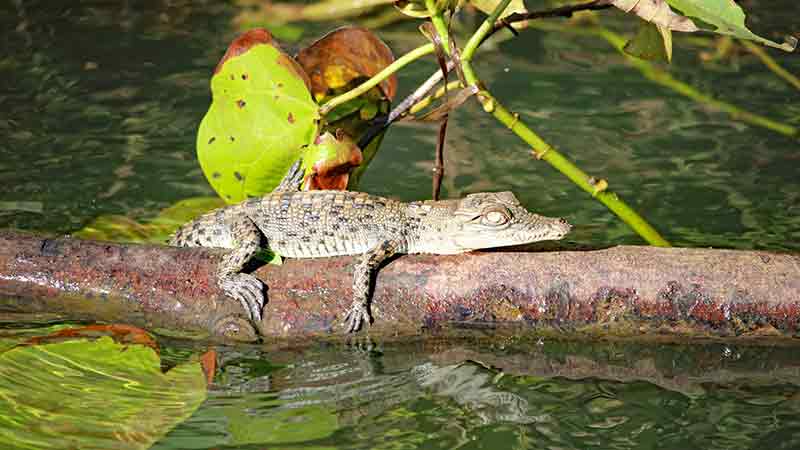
356,316
248,289
293,179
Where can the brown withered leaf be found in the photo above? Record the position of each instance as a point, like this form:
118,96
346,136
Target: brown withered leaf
120,333
344,55
330,160
657,12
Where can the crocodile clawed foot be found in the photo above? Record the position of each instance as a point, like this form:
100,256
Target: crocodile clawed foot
293,179
248,289
356,316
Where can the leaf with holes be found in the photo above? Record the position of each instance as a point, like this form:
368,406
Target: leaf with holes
261,116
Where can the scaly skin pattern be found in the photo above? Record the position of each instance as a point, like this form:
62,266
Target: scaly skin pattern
317,224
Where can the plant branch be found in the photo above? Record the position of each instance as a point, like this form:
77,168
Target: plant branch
564,11
597,188
477,38
543,150
375,80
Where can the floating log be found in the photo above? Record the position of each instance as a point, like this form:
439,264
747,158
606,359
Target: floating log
625,290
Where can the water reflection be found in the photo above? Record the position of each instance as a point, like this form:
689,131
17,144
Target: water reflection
484,395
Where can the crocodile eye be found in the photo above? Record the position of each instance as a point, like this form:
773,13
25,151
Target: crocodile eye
495,218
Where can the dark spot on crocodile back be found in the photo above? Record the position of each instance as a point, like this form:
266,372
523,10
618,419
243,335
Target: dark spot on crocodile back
50,247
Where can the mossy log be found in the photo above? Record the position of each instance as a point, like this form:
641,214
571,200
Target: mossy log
625,290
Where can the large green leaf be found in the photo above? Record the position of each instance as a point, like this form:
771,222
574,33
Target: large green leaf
261,116
726,17
91,394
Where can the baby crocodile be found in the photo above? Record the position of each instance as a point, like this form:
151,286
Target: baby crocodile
317,224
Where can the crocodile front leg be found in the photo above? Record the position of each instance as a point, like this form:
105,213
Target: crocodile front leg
239,234
244,287
293,179
362,277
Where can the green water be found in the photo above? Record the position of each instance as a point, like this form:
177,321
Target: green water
101,100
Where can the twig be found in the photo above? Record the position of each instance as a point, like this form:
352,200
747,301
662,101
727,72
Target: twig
564,11
426,87
438,168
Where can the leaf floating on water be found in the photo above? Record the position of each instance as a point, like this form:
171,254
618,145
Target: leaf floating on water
117,228
104,389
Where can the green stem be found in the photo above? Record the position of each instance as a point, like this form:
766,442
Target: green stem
439,24
543,150
663,78
771,63
476,39
597,188
377,79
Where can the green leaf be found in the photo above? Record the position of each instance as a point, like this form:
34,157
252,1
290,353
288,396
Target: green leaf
652,42
157,230
261,115
726,17
92,394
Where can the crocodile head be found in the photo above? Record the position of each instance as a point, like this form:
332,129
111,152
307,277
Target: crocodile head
488,220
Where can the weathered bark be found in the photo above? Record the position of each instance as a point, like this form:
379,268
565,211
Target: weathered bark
621,290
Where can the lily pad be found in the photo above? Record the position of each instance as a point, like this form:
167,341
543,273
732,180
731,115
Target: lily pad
261,116
93,391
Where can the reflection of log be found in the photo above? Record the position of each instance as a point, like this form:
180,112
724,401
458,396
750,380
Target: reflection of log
622,290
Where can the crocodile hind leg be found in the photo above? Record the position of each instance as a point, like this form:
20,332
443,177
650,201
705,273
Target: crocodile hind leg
358,312
239,234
